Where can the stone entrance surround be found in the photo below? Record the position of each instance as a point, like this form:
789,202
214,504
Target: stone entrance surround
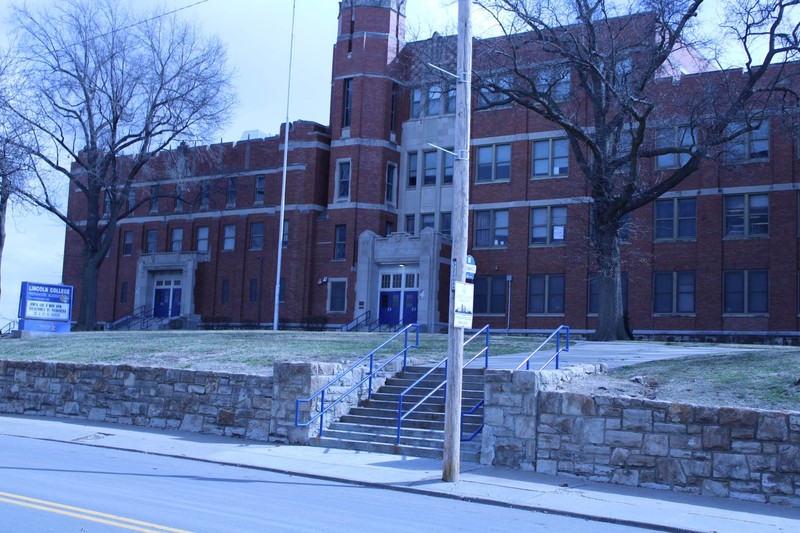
749,454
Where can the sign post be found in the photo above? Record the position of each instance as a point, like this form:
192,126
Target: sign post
45,308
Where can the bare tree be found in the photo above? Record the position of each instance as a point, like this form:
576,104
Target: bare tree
611,73
102,91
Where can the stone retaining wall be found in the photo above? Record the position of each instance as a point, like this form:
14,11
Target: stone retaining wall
748,454
234,405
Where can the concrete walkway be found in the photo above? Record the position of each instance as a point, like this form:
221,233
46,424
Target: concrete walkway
650,509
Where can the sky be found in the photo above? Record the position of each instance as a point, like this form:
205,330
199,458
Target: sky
257,34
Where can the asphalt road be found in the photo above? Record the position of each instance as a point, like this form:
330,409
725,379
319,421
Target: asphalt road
62,487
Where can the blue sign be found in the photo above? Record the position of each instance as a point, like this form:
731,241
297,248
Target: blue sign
45,308
470,268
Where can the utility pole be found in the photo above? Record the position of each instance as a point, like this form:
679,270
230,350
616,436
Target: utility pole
455,342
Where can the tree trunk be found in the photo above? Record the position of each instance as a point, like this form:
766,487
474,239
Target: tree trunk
87,313
610,316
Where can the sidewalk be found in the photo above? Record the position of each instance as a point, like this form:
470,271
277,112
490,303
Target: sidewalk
659,510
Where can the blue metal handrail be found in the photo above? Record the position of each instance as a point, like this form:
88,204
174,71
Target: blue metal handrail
559,349
372,371
363,318
400,416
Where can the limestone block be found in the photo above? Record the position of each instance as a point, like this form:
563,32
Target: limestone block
680,413
192,423
577,404
524,427
546,466
731,466
773,426
716,488
655,445
550,402
588,430
626,439
705,415
735,416
624,476
789,458
637,419
716,438
686,442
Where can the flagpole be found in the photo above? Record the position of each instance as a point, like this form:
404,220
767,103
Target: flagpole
283,180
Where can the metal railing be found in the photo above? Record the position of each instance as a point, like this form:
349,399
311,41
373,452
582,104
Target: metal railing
372,371
561,330
8,328
443,385
360,320
127,322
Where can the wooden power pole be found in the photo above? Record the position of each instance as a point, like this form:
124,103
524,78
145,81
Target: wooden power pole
455,341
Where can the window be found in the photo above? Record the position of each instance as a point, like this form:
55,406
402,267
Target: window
391,182
676,219
337,296
448,169
445,223
257,236
410,229
252,292
426,221
450,100
416,102
673,138
491,91
285,236
151,241
343,180
749,145
546,294
745,291
204,195
282,290
347,103
202,239
412,170
550,158
178,208
388,228
154,199
127,243
228,237
594,292
554,81
339,242
490,295
548,224
747,215
176,239
494,163
224,293
434,100
123,292
673,292
131,198
259,192
429,161
491,228
231,196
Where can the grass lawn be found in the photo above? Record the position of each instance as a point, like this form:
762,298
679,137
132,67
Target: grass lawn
240,351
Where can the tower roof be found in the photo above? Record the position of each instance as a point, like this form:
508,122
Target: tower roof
395,5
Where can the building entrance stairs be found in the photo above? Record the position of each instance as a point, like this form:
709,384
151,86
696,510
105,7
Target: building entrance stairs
372,426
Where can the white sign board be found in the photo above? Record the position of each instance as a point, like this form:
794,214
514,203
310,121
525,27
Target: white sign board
465,293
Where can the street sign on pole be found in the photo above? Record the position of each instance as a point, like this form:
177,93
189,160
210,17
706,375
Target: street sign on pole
470,268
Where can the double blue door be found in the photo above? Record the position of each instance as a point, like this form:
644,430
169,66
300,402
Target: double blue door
391,311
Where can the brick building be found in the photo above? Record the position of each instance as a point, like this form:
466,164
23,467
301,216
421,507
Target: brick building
369,202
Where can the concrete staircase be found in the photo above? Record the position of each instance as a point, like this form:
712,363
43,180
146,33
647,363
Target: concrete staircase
373,425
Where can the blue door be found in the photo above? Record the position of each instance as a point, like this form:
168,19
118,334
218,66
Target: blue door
410,307
175,309
161,303
389,312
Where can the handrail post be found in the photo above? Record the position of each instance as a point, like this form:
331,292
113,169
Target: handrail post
486,356
444,389
371,366
558,346
322,412
399,417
